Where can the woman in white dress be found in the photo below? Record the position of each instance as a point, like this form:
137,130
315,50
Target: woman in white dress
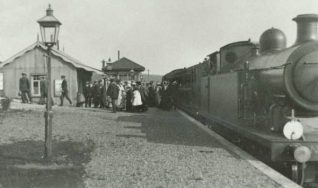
136,99
120,95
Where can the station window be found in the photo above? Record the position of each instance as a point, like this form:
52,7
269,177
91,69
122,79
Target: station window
35,85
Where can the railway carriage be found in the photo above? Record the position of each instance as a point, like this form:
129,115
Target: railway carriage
262,96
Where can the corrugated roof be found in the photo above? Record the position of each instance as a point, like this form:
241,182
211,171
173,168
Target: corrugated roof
125,64
76,63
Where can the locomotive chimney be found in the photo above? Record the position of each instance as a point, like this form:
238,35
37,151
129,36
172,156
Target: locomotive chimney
306,27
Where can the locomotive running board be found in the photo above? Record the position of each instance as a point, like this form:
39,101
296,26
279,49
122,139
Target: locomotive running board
277,146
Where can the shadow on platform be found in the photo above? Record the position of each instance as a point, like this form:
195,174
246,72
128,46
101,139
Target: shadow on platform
168,127
21,164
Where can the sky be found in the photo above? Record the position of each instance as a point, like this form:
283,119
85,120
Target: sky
161,35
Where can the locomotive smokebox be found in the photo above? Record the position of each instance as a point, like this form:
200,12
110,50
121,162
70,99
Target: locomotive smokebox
306,28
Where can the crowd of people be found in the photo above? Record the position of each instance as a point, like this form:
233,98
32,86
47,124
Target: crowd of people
119,95
129,95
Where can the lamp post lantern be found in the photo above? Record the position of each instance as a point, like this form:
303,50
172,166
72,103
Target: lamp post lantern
49,27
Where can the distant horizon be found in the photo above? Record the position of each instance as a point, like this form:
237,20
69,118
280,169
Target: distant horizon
160,35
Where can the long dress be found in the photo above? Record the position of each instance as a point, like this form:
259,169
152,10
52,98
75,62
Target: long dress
129,97
136,98
120,96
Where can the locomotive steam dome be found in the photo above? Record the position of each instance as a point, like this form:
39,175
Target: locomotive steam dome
272,39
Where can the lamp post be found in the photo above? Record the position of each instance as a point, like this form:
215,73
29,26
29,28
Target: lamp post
49,27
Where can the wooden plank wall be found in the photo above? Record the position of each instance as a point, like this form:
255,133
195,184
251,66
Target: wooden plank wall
34,62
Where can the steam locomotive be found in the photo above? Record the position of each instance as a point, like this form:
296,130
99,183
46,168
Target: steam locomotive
263,96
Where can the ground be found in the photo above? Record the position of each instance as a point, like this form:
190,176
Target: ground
96,148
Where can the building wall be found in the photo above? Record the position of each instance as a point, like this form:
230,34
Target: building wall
34,63
125,76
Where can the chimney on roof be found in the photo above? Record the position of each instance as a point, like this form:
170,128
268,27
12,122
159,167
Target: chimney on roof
109,60
118,54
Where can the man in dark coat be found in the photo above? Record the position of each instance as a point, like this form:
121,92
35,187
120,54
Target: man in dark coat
104,96
166,96
113,92
88,94
97,94
129,96
43,91
64,92
144,95
151,94
24,86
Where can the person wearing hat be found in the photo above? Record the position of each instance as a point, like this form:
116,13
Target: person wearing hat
24,87
136,99
129,97
88,94
97,94
144,95
121,95
64,91
113,92
151,94
43,91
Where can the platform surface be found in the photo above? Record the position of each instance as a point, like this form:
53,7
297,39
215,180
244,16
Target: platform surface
96,148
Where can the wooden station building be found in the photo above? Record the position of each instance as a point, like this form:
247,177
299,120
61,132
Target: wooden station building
32,61
123,69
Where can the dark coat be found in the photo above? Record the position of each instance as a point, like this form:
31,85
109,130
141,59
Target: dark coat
24,84
64,85
113,91
97,90
151,96
88,91
129,96
144,94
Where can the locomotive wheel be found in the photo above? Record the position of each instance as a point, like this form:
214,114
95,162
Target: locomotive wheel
297,173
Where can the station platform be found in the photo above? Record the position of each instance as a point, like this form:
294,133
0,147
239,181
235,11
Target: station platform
96,148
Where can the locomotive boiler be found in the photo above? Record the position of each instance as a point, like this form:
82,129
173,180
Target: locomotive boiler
265,96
